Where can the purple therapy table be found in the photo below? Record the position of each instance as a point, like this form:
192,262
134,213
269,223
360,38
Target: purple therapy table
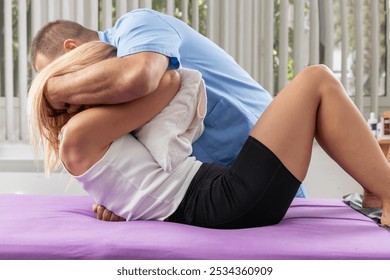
64,227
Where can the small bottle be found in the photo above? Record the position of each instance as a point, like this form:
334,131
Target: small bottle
373,122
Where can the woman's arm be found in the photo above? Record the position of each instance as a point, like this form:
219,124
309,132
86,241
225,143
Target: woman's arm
88,134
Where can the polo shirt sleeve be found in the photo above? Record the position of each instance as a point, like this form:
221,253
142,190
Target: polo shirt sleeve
146,31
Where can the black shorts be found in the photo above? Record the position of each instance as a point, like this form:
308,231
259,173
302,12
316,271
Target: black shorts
255,191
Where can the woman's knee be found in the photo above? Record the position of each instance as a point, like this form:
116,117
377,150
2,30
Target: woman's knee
318,72
322,77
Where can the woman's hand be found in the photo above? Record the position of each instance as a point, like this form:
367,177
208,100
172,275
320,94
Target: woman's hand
103,214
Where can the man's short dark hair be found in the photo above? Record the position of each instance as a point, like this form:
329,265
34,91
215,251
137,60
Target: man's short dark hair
50,38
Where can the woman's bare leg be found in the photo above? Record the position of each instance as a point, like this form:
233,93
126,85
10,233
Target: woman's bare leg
315,105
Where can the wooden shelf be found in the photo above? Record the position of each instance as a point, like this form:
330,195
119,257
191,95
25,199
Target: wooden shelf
385,146
384,141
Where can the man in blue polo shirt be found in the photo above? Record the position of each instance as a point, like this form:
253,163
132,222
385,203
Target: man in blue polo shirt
148,44
235,100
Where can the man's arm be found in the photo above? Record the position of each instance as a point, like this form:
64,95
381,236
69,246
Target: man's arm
112,81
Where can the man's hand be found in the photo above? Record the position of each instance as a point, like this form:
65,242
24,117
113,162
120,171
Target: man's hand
55,100
102,213
52,96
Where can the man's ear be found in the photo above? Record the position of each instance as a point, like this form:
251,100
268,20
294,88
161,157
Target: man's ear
70,44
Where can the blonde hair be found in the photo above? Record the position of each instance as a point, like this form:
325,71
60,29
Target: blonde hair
46,123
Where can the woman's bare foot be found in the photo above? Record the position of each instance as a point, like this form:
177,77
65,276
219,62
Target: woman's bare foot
385,218
102,213
370,200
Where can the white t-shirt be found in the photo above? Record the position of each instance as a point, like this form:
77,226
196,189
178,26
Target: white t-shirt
129,182
147,178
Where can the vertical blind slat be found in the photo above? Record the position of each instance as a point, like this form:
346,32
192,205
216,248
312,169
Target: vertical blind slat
359,74
66,9
195,15
344,42
247,35
171,7
35,16
52,10
256,40
8,75
121,8
269,48
374,56
22,69
132,5
147,4
233,27
225,27
314,33
387,44
329,33
107,14
262,30
299,36
80,12
184,7
93,15
211,21
283,44
240,32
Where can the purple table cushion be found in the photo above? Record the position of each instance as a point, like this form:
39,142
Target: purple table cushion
64,227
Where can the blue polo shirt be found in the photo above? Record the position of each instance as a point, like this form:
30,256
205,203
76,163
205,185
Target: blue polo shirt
234,100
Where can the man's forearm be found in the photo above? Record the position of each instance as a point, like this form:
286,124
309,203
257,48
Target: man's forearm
92,85
112,81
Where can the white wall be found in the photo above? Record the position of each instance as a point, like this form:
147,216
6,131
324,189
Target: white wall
20,174
326,179
38,183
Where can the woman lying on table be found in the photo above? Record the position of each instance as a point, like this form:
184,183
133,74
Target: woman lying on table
149,174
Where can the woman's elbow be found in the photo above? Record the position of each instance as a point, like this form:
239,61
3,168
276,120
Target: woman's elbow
135,84
171,80
147,82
